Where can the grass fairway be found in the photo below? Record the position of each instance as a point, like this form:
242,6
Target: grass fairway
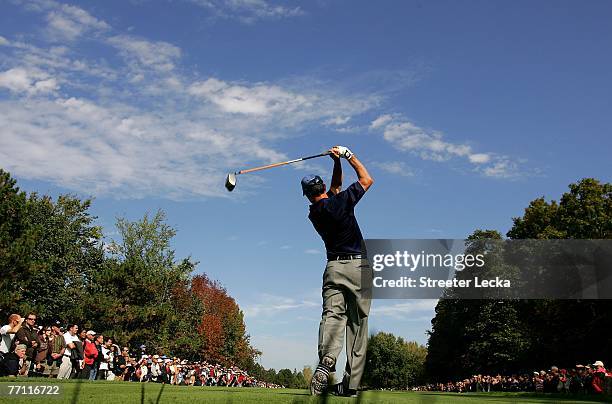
119,392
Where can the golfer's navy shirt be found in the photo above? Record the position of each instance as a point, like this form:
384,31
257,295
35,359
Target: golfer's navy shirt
334,219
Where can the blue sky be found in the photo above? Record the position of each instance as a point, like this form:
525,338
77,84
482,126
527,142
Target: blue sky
462,111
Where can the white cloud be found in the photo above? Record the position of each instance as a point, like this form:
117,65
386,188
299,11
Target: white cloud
160,56
271,305
405,309
284,106
129,128
348,129
395,168
119,139
20,80
3,41
117,148
503,168
259,99
428,144
380,121
479,158
406,136
312,251
249,11
140,125
58,61
337,120
66,22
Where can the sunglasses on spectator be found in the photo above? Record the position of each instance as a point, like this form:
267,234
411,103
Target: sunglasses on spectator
32,319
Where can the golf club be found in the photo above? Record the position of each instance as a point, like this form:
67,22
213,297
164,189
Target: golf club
230,180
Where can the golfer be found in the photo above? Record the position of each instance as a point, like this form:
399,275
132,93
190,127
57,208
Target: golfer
333,217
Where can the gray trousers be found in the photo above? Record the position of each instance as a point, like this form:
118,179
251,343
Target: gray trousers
346,305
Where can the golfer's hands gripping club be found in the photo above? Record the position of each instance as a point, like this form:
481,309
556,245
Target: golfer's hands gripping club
333,153
342,151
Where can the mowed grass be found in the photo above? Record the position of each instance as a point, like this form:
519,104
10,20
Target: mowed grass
119,392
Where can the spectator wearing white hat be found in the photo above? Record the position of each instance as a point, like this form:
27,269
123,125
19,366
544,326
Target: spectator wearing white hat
599,366
599,377
90,353
180,375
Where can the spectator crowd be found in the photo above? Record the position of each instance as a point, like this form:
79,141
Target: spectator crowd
581,379
53,351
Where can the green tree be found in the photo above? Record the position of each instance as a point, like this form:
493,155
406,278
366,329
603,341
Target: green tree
393,362
141,285
472,336
486,335
285,378
68,252
270,376
585,212
299,380
48,251
560,328
497,339
17,241
144,250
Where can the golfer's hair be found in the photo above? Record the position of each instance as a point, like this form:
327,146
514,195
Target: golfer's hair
315,190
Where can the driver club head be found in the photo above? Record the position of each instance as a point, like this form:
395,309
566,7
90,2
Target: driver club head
230,182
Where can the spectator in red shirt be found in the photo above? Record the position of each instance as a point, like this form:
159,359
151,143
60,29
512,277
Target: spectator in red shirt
599,376
90,353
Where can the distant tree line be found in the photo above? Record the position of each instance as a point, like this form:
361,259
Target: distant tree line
54,262
285,377
489,336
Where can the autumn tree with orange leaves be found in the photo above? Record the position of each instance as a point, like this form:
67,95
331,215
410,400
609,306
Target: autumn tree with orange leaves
222,329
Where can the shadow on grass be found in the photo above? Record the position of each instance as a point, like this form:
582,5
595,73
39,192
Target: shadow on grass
77,391
159,394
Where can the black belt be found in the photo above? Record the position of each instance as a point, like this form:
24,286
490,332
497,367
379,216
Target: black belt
345,257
